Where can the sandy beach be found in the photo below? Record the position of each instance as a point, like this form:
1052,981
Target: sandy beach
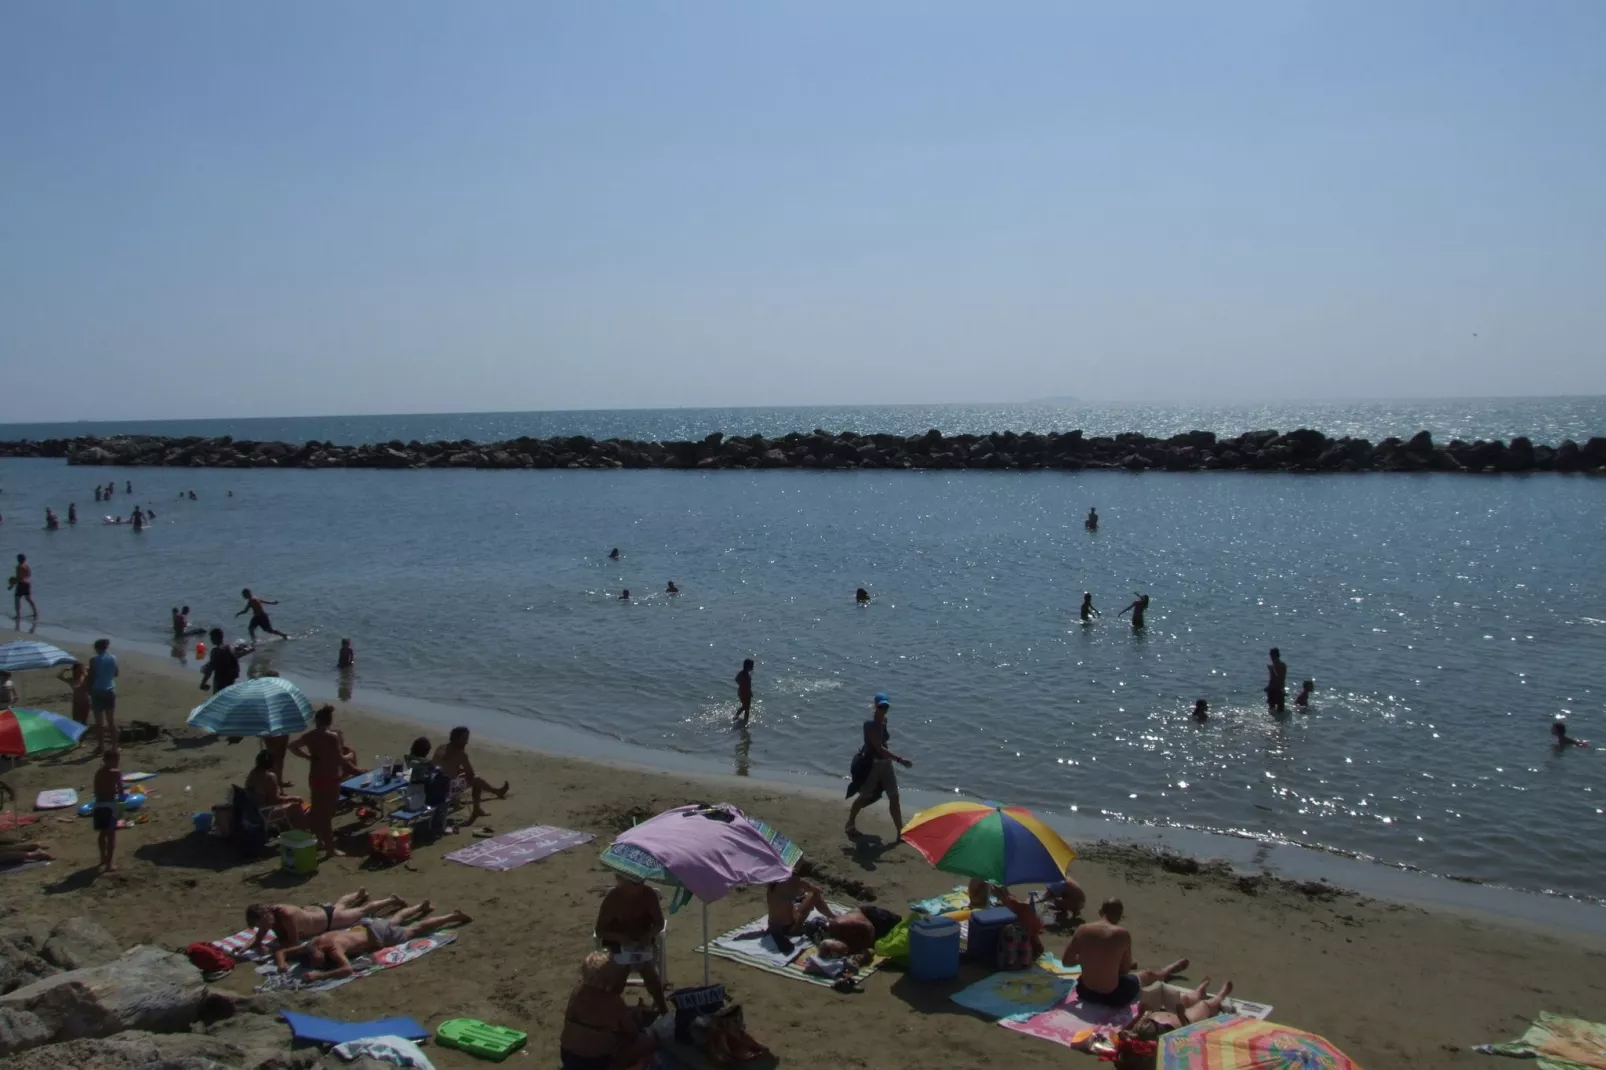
1392,984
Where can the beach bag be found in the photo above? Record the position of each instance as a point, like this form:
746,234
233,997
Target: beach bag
690,1003
138,732
209,959
726,1041
859,771
894,946
1014,948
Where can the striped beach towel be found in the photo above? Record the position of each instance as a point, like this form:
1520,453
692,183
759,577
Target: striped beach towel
365,965
234,946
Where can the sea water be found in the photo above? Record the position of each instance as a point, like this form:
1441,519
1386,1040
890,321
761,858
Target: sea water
1446,620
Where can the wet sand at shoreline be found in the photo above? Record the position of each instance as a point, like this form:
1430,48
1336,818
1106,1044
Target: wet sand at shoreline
1393,985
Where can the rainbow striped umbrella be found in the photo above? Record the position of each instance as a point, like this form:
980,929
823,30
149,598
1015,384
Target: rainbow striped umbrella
24,732
999,844
1249,1044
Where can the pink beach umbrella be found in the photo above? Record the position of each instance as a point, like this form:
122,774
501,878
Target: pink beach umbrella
707,849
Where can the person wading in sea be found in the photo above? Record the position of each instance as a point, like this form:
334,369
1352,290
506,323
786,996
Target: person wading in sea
1277,684
259,615
1139,606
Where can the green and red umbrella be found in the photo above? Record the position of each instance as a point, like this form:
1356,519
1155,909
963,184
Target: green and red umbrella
999,844
25,732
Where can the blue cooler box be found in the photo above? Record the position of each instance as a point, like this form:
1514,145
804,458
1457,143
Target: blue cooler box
986,926
933,948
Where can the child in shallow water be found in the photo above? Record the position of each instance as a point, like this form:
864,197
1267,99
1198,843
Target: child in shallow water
1305,691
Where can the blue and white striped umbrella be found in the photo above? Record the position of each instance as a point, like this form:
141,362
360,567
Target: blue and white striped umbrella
25,654
266,706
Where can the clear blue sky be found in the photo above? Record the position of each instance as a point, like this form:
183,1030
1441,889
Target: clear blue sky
213,209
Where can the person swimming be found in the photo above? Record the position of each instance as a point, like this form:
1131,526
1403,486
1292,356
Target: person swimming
671,589
1138,607
613,555
1088,612
1558,730
861,595
1306,689
1092,521
624,595
1201,711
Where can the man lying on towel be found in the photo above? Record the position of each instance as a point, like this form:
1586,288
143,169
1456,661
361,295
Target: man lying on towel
851,934
294,925
338,948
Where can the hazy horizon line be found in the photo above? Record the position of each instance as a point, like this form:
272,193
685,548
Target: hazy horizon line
1045,402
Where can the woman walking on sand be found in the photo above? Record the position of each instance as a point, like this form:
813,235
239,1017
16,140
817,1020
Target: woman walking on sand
872,774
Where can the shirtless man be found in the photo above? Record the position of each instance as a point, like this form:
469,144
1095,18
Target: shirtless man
629,921
452,758
1139,606
1104,951
1276,683
791,902
326,752
22,587
1088,612
338,947
294,925
848,934
744,690
259,615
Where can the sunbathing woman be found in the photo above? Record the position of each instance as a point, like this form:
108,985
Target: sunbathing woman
294,925
338,947
600,1031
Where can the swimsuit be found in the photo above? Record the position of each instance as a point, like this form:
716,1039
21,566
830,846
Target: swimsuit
1126,991
105,816
385,933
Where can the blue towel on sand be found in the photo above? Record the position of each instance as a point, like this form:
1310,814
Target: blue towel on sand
329,1031
1015,994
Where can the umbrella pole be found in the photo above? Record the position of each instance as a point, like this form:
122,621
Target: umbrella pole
705,944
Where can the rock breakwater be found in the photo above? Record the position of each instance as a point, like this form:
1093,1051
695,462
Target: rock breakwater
1303,450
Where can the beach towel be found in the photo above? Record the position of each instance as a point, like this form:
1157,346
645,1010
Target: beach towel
366,965
1015,994
513,849
234,946
804,963
317,1030
11,821
397,1051
1244,1008
18,867
757,947
1557,1043
947,902
1073,1023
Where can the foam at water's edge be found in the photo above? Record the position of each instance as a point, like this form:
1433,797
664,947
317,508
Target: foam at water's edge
1243,852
